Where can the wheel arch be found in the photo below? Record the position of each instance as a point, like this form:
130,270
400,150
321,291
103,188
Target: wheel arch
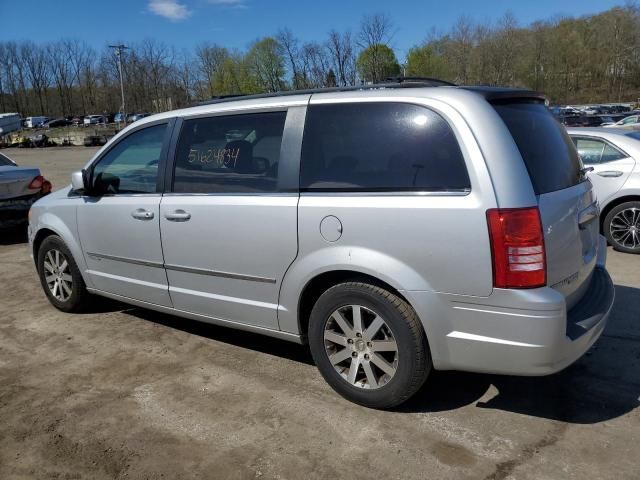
49,224
38,239
320,283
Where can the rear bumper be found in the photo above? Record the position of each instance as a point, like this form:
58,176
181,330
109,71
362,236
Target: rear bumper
15,211
519,332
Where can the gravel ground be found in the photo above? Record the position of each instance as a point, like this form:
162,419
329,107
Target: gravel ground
122,392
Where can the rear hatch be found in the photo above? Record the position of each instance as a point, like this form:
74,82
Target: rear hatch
14,181
567,204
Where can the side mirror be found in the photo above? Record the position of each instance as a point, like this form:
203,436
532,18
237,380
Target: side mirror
78,184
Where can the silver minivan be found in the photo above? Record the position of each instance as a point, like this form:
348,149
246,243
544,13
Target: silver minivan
395,228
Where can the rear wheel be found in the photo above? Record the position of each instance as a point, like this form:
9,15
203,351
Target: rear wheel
368,344
622,227
60,277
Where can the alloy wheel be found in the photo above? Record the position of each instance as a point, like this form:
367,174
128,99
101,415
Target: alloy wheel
625,228
57,275
361,346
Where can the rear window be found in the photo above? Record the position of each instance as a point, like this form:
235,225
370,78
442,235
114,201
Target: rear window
384,146
548,152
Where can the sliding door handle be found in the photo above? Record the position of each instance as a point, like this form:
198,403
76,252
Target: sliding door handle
177,216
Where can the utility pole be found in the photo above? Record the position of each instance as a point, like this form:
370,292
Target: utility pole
118,49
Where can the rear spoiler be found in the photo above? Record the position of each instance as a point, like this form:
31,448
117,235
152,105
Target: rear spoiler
501,94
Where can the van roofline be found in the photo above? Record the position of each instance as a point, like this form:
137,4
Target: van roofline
302,97
488,92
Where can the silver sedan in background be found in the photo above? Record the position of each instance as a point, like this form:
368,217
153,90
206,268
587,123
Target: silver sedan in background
614,156
20,187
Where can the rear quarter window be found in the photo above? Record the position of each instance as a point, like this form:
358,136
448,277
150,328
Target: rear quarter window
548,153
385,146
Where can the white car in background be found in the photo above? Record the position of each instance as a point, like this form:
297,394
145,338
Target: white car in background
35,122
631,122
93,119
614,156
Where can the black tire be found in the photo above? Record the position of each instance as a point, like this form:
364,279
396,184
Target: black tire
607,225
413,362
79,297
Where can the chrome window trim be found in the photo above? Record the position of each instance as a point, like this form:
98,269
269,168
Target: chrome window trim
390,193
232,194
121,195
242,111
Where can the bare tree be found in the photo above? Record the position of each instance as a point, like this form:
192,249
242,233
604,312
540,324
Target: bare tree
36,62
315,65
342,56
82,65
62,72
461,48
185,76
289,44
376,32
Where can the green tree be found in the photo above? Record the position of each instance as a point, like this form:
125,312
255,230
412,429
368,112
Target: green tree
266,63
376,63
423,61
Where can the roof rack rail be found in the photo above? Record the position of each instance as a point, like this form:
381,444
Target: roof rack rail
433,82
391,82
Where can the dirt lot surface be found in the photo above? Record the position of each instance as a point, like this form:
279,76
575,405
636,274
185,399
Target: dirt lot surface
126,393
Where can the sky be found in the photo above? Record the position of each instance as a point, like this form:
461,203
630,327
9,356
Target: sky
236,23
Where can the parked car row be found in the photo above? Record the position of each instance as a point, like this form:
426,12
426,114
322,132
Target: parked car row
86,120
630,120
608,109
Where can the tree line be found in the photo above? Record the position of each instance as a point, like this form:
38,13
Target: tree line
589,59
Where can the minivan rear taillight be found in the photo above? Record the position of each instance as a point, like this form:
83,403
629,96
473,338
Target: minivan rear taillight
517,247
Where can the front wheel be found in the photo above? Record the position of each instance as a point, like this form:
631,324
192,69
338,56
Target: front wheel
60,277
368,344
622,227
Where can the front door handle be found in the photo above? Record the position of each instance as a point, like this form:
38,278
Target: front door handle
610,173
177,216
142,214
